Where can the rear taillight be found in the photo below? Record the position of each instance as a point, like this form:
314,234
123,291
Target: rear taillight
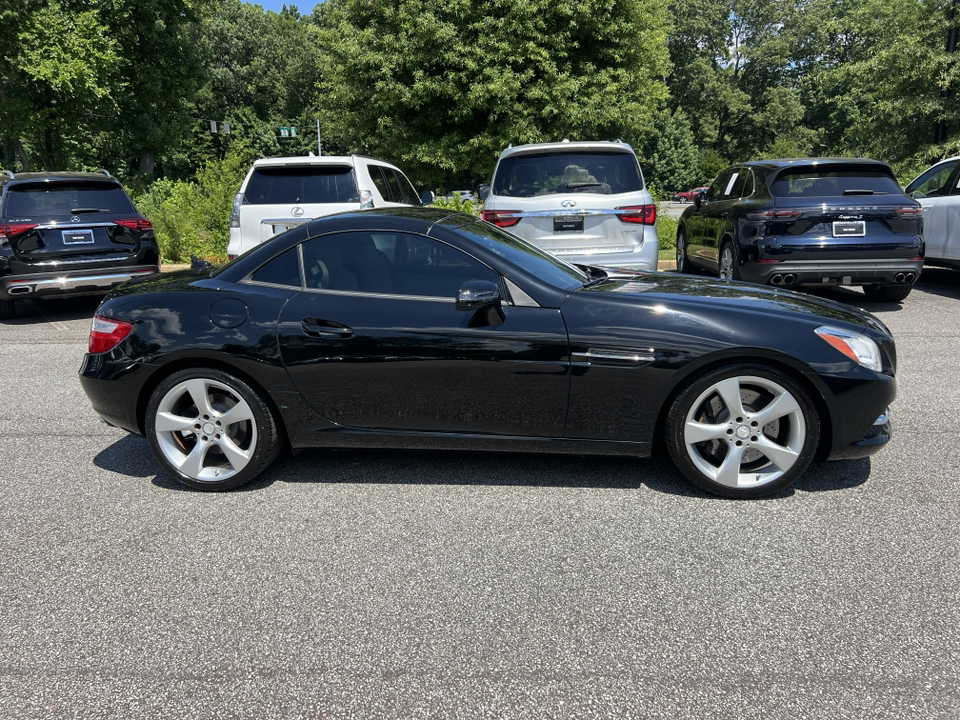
366,199
643,214
235,210
773,214
501,218
908,212
8,231
230,256
135,223
106,333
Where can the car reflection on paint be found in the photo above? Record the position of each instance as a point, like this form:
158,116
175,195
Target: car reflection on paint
424,329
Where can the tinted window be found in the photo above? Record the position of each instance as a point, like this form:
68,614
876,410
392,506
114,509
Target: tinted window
282,270
719,185
407,192
524,255
934,182
377,174
389,263
739,183
292,185
834,180
566,172
65,198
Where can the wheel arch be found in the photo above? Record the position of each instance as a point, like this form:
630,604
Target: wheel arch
187,363
797,371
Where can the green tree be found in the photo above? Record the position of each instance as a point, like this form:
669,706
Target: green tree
442,88
672,161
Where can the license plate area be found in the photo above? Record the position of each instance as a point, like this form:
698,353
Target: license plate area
568,223
77,237
849,228
277,229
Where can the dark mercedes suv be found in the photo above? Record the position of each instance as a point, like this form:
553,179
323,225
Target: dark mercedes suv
817,221
69,234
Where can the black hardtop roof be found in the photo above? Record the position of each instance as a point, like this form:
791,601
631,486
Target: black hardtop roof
782,163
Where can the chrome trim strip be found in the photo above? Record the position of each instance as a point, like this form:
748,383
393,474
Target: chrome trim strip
387,296
613,355
55,263
293,222
70,283
75,226
562,212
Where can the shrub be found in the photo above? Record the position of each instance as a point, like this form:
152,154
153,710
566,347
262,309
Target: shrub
458,204
666,228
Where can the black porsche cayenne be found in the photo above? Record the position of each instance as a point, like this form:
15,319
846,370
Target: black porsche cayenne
418,328
69,234
818,221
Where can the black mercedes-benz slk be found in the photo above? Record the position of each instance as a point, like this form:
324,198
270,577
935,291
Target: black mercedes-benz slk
806,222
420,328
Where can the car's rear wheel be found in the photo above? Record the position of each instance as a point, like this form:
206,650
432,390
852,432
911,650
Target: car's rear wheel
742,430
210,430
7,310
728,262
887,293
683,263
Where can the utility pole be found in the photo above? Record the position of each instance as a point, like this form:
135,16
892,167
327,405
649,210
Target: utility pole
320,151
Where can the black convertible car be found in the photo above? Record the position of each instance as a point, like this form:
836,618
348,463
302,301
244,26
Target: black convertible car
421,328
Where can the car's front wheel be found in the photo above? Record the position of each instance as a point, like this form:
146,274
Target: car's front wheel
887,293
210,430
742,430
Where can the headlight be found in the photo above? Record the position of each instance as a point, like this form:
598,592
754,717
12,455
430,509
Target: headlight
855,346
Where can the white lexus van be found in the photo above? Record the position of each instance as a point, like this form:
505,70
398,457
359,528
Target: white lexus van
280,193
585,202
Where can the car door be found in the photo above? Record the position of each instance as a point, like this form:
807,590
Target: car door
699,221
375,342
717,215
938,192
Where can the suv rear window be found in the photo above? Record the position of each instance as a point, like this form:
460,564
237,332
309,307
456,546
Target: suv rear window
292,185
605,173
834,181
51,199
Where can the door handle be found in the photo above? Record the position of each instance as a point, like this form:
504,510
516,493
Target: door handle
325,328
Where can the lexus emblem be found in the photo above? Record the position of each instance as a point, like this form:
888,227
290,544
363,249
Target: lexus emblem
569,203
74,218
297,211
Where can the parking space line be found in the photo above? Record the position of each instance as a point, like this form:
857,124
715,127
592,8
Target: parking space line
36,308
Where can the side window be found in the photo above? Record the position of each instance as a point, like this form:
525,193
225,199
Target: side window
715,191
749,184
377,174
409,195
739,184
389,264
934,182
284,269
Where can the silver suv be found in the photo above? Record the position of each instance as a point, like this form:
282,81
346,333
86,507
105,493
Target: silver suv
281,193
583,201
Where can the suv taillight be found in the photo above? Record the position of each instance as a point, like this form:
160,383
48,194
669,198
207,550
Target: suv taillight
235,210
11,230
135,223
908,212
642,214
106,333
773,214
501,218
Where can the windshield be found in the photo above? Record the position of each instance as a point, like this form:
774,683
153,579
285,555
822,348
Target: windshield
526,256
297,184
834,180
548,173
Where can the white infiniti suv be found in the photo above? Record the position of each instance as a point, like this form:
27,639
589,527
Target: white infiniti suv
281,193
585,202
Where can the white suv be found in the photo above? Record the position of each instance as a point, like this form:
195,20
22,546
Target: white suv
281,193
583,201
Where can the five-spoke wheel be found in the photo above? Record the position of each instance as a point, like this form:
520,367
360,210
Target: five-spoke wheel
742,430
210,430
728,263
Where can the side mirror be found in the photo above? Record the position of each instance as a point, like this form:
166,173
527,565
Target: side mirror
698,199
427,197
476,294
483,191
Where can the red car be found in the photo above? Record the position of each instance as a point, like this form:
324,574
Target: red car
688,195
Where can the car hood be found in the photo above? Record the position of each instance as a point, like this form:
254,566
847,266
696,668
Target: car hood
671,289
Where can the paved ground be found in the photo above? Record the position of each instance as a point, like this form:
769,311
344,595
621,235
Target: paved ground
416,585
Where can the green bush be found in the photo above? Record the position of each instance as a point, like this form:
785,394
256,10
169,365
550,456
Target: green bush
666,228
458,204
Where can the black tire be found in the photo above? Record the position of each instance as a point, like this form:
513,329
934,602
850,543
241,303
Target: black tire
761,447
729,247
683,201
8,310
683,262
217,447
886,293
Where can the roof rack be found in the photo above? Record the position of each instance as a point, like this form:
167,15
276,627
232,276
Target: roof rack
8,172
105,172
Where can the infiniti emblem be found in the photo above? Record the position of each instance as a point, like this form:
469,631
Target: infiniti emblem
569,203
297,211
74,218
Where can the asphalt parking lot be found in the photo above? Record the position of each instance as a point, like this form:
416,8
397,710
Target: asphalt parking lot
358,584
